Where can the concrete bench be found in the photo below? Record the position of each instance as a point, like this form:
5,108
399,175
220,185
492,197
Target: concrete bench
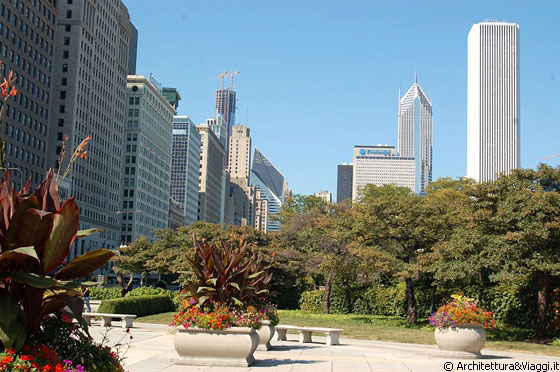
305,333
126,318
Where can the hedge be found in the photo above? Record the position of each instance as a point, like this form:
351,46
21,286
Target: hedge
98,293
139,306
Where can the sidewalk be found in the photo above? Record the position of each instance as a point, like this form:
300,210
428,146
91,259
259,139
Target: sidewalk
152,350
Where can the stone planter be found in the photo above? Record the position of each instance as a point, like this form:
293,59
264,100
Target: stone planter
461,341
265,335
233,347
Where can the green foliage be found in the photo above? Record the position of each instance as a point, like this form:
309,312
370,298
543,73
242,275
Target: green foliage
312,301
556,341
230,276
36,234
71,342
176,297
101,293
139,306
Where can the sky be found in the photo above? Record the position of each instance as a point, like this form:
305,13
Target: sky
320,76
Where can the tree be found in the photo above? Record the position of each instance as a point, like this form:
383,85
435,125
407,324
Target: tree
135,258
511,235
395,228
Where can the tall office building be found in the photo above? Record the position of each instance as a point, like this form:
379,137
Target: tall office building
344,182
241,205
146,175
415,133
27,38
492,100
379,165
89,98
132,50
225,105
270,182
239,163
185,167
211,179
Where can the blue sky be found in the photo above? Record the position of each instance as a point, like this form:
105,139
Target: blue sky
320,76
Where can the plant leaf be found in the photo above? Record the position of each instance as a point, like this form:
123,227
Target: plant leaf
235,285
254,275
16,255
88,232
202,300
8,310
237,302
34,229
62,236
212,281
39,281
84,264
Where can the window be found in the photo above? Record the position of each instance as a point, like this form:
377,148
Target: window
67,28
68,14
60,122
65,54
64,67
61,109
63,81
62,94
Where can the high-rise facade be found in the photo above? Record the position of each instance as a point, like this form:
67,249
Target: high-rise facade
415,133
225,105
172,96
91,61
492,100
185,167
270,182
146,173
211,179
379,165
241,203
27,38
239,163
344,182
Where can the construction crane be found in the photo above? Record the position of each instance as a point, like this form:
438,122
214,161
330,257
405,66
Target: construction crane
231,75
222,77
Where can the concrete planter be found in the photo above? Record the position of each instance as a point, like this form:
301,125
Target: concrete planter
461,341
265,335
233,347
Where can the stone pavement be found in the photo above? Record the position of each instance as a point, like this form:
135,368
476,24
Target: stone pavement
151,350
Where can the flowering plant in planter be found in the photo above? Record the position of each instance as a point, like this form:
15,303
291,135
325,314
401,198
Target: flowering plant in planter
228,288
216,318
462,311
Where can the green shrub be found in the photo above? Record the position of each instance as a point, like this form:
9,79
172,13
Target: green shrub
312,301
556,342
139,306
97,293
149,291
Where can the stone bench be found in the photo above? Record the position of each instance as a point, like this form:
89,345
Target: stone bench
305,333
126,318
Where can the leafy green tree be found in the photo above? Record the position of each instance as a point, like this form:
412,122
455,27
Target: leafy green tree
511,234
135,258
394,229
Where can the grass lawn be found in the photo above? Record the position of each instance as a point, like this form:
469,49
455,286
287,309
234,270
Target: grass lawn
371,327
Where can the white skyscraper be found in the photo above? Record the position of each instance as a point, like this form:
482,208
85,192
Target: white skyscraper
415,133
493,100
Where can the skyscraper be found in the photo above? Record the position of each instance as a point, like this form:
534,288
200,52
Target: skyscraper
492,100
146,175
240,152
379,165
344,182
415,133
225,105
266,178
89,98
185,166
211,180
26,116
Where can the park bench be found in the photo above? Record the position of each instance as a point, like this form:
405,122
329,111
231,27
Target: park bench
305,333
107,318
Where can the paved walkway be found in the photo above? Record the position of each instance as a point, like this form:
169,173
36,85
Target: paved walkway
151,350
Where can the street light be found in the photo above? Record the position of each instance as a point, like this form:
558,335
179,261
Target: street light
20,174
